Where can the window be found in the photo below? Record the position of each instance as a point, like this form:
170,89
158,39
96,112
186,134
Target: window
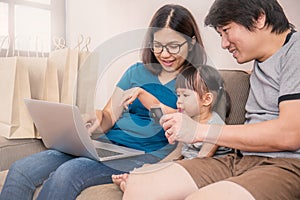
28,26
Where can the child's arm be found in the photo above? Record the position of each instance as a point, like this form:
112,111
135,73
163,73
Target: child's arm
207,150
147,99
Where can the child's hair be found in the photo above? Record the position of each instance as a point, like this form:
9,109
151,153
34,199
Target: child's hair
203,79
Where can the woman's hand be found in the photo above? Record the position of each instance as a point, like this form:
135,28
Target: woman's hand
92,121
180,127
130,95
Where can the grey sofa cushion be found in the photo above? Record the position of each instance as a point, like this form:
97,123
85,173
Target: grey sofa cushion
237,85
15,149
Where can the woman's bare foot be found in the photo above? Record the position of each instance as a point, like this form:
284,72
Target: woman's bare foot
120,180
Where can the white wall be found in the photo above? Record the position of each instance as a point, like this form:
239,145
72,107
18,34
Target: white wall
103,19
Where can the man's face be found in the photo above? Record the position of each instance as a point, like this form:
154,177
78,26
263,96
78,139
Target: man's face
242,43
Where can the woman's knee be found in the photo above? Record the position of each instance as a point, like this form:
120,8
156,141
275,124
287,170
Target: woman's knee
39,160
77,172
65,180
68,172
23,166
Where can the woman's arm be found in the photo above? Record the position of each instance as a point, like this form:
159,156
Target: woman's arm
103,120
146,98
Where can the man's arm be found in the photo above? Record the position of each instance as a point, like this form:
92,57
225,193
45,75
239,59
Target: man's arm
282,134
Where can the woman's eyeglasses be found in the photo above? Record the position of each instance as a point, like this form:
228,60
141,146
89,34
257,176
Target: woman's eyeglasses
171,48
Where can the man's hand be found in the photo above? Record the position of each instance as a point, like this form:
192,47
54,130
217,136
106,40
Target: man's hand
180,127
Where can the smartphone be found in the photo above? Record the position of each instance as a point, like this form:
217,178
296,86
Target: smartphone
156,113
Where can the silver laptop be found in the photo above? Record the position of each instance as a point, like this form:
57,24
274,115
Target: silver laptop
62,128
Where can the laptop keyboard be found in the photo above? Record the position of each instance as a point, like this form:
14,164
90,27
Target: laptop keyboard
102,153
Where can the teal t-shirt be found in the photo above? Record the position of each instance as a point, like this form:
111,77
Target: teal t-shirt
135,128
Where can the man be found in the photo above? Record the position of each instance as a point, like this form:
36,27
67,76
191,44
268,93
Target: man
268,166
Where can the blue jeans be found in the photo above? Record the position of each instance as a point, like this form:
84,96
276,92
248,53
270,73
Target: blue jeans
63,176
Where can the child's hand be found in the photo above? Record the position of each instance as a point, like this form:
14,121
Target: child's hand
130,95
207,150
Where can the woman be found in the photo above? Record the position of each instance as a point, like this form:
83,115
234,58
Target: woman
172,42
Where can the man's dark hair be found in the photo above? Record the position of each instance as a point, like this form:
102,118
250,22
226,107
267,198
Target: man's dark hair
246,12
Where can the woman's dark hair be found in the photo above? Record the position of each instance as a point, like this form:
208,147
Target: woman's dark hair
246,12
203,79
179,19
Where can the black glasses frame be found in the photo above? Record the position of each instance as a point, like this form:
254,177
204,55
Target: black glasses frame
167,48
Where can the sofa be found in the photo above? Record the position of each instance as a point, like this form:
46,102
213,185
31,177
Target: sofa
236,83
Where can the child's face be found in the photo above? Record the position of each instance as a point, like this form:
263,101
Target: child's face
188,102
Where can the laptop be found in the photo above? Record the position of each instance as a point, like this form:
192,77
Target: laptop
62,128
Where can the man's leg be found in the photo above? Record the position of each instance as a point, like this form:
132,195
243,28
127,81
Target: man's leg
226,190
270,179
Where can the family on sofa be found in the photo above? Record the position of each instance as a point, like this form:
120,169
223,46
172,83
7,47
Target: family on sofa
259,152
